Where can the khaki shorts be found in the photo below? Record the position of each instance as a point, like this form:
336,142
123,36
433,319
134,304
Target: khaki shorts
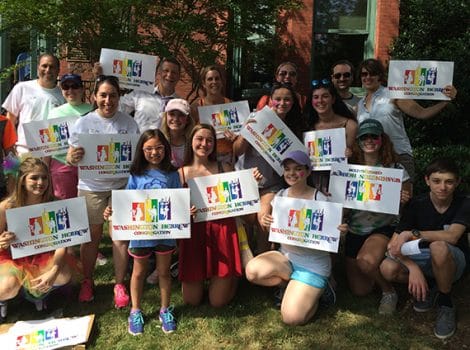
96,203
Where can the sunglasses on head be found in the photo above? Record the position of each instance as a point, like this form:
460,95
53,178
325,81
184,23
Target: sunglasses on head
367,136
317,83
284,73
346,75
70,86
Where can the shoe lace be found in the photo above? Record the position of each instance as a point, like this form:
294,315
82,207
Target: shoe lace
167,315
387,298
136,318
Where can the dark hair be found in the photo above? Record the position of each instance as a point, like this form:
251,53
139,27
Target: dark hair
374,67
345,62
110,79
169,60
48,54
339,107
294,119
387,154
188,150
206,70
442,165
139,164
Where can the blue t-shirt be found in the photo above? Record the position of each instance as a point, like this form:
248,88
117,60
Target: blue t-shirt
153,179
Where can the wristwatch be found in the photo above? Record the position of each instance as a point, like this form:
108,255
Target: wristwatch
416,233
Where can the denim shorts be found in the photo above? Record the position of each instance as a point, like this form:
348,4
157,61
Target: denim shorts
145,248
308,277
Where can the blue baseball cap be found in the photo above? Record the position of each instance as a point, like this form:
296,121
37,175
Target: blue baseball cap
300,157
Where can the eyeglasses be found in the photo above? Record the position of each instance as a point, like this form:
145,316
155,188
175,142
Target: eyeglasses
317,83
369,136
365,74
346,75
72,86
159,149
284,73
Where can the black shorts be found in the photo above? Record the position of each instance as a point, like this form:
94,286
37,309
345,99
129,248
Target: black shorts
355,242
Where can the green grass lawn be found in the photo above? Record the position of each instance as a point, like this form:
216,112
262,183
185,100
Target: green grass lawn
252,322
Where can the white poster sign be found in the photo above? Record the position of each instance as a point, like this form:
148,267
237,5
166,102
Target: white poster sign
47,334
48,137
224,195
366,188
326,147
225,116
419,79
271,138
134,70
306,223
106,155
47,226
151,214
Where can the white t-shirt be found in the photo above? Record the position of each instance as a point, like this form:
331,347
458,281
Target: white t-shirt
148,107
30,101
93,123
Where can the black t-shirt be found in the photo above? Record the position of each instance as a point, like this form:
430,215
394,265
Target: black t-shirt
420,214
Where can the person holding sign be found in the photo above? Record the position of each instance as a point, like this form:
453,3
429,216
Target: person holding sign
302,271
326,110
151,169
41,273
212,253
440,218
390,112
106,119
286,106
213,86
370,232
64,176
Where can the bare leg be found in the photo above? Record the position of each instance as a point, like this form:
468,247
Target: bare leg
443,266
9,287
269,269
262,243
89,251
393,271
222,290
300,303
137,281
164,278
193,292
120,258
359,283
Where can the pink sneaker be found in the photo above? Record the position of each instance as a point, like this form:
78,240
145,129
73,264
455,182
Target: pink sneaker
121,298
86,291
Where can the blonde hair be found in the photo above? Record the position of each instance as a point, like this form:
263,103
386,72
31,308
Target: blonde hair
187,129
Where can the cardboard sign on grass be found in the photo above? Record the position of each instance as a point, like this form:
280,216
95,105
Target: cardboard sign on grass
271,137
134,70
225,116
45,227
366,188
306,223
106,155
48,137
224,195
422,80
326,147
151,214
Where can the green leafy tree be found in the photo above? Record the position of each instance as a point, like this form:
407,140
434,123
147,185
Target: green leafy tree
197,32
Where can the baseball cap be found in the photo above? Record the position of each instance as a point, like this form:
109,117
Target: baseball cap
370,127
300,157
75,78
178,104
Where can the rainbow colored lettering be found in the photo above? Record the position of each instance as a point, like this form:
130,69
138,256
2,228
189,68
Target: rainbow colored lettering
54,133
363,191
306,219
36,339
320,147
152,210
224,192
420,76
225,118
127,67
276,138
114,152
49,222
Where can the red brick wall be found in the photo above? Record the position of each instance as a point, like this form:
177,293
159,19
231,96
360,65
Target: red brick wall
386,27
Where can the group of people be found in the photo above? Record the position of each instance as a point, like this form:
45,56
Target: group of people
175,147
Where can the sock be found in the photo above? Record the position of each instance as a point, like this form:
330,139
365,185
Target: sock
443,299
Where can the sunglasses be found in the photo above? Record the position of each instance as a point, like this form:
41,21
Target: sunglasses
346,75
317,83
367,136
71,86
284,73
367,74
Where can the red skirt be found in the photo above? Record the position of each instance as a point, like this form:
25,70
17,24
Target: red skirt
212,251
